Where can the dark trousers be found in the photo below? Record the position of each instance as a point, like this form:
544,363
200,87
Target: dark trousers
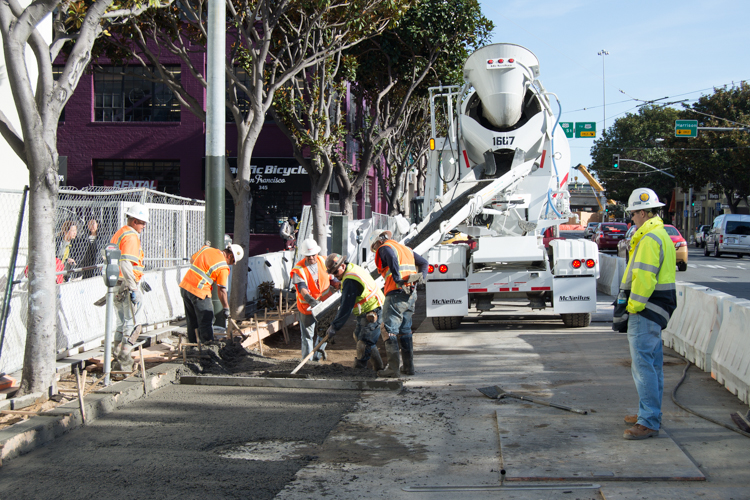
199,314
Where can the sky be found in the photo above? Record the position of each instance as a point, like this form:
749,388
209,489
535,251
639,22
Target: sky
658,48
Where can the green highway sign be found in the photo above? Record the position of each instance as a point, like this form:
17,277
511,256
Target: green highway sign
585,129
569,129
686,128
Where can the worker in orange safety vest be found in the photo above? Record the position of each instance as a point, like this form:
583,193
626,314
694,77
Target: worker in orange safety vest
208,266
312,281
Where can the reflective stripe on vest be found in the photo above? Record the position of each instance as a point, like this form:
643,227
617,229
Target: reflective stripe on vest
406,265
371,297
200,282
135,260
315,289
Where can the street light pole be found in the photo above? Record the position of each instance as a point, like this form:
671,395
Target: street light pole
604,90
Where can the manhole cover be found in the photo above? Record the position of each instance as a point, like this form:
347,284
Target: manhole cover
266,451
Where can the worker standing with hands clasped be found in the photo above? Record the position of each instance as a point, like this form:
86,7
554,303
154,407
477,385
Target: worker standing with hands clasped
128,297
208,266
645,303
310,278
362,296
398,265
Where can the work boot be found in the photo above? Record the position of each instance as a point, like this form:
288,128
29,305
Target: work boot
124,359
639,431
631,419
391,350
407,354
360,361
377,361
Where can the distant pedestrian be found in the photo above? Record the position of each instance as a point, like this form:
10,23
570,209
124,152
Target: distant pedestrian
65,238
288,232
91,252
648,288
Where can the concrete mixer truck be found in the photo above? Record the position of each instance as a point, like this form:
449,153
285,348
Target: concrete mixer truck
499,175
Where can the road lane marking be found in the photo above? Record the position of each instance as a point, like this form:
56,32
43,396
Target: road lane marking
717,279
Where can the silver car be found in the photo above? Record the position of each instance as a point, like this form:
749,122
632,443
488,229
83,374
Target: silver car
730,233
700,236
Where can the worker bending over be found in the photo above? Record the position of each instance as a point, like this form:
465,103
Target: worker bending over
398,265
208,266
128,297
362,296
312,282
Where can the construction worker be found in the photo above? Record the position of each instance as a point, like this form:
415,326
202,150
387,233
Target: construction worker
398,265
128,296
362,296
310,278
208,266
648,286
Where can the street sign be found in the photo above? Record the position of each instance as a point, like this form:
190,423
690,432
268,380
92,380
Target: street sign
698,204
585,129
685,214
569,129
686,128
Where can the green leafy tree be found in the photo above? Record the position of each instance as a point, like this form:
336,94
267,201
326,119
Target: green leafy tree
637,136
76,28
718,158
427,47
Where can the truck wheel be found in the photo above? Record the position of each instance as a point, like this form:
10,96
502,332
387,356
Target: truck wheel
682,266
446,322
706,253
717,254
577,320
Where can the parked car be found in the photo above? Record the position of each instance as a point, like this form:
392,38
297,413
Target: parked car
609,234
700,236
730,233
590,229
593,231
680,245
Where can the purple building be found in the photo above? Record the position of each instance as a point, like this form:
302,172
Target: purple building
122,130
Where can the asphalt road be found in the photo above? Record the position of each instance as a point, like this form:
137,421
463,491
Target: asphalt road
727,274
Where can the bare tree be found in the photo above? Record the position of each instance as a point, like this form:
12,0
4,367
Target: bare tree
76,27
270,42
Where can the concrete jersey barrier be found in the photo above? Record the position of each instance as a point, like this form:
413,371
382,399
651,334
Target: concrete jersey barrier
730,360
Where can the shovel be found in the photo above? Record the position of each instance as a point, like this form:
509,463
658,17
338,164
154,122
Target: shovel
496,392
307,358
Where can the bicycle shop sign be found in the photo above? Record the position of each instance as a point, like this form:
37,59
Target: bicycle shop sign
275,174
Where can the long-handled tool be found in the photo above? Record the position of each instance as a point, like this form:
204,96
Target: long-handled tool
496,392
307,358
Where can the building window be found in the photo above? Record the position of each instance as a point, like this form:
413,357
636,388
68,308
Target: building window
270,206
124,94
160,175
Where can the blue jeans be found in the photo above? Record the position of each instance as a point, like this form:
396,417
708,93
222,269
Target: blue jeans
397,312
368,332
307,330
647,366
125,320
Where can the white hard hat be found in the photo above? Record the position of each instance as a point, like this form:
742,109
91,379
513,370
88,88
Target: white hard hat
137,211
237,251
309,247
643,199
379,235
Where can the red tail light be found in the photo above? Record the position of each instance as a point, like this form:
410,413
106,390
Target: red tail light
443,268
473,244
576,264
590,263
430,269
721,239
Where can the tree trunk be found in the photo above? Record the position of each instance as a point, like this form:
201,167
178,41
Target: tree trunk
318,189
346,198
238,295
39,356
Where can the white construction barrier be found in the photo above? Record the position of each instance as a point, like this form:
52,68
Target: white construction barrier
702,313
678,316
611,271
730,360
275,267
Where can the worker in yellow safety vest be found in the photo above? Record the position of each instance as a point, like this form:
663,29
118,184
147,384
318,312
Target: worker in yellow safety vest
361,296
128,297
312,282
645,303
208,266
402,268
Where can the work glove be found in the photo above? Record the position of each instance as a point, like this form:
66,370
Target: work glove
226,318
134,298
313,302
331,332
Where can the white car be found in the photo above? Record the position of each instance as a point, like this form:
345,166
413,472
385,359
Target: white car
590,229
700,236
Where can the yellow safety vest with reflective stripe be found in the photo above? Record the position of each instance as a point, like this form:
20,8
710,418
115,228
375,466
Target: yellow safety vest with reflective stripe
650,274
371,296
129,243
209,266
406,265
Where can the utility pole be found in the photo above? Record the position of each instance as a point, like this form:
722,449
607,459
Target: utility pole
215,128
604,53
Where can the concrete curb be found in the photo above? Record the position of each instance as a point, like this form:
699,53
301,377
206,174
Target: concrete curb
24,437
296,383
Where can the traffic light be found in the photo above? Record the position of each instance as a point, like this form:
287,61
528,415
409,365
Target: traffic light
615,161
692,201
